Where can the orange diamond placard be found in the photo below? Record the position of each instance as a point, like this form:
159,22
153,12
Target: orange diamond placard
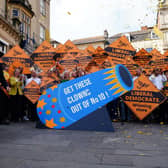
32,91
46,83
16,57
144,97
43,56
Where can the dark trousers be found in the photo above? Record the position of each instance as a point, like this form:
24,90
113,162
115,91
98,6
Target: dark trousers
4,112
32,111
125,112
16,107
112,109
163,112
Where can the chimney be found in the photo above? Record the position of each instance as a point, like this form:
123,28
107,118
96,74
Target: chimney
105,34
144,28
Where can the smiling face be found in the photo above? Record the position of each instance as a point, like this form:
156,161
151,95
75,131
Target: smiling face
17,72
33,74
156,72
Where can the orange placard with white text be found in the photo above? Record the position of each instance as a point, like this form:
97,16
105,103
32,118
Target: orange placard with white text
144,97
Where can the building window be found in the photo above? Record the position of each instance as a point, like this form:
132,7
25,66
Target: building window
166,37
25,27
149,49
28,33
15,12
3,48
43,7
23,16
153,35
165,18
42,34
22,27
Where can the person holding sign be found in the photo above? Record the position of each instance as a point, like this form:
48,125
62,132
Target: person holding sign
16,96
6,72
158,79
32,107
34,77
3,99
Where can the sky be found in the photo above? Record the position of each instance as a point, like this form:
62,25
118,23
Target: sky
75,19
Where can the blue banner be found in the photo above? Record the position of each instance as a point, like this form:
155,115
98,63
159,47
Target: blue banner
61,106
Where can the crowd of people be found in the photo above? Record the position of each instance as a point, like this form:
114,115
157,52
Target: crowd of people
120,112
15,107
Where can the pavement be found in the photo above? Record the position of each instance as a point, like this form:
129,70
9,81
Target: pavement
131,145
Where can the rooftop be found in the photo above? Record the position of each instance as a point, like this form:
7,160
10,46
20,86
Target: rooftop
89,40
143,34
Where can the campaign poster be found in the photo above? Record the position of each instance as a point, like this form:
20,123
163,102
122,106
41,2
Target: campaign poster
143,98
32,91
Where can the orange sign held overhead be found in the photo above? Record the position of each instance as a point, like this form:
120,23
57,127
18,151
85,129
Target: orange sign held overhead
32,91
142,58
119,49
84,58
131,65
17,56
43,56
60,49
166,53
144,97
156,54
158,60
17,64
69,61
70,47
123,44
99,55
92,67
90,49
99,51
107,63
46,83
166,57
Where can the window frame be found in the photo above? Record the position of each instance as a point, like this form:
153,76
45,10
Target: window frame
18,12
43,7
154,36
42,33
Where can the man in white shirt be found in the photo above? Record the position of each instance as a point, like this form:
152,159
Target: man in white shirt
34,77
32,107
157,79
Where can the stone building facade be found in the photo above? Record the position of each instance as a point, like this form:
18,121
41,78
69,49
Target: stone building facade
163,21
23,22
41,20
9,34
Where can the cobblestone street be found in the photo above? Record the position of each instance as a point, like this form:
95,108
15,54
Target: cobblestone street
131,145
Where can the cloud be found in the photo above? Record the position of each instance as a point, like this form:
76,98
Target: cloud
92,17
